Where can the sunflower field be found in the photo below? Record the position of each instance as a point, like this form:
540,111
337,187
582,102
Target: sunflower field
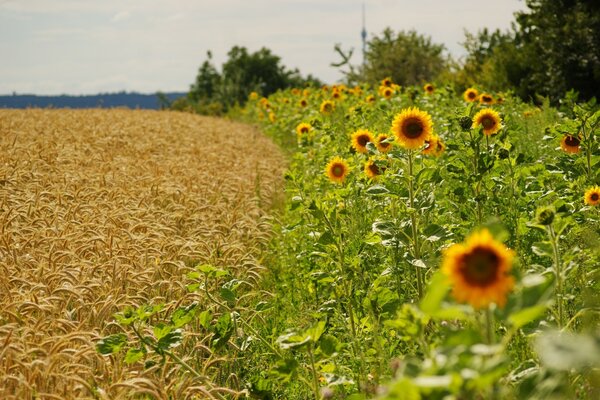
433,245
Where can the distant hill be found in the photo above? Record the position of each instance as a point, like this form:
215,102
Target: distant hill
102,100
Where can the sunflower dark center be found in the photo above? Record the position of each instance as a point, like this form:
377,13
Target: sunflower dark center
471,95
362,140
486,99
304,129
480,266
374,169
413,128
338,170
595,197
572,141
488,122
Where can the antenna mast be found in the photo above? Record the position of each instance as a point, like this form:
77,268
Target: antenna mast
363,34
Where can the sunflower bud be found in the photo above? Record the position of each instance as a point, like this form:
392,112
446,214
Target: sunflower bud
503,154
465,123
545,215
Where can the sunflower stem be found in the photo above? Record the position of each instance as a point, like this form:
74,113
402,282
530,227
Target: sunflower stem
490,336
413,220
559,277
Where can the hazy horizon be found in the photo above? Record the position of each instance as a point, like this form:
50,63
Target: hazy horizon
84,47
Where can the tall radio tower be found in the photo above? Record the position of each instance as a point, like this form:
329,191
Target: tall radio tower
363,34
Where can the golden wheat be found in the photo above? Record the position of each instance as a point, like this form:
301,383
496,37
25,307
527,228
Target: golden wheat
101,209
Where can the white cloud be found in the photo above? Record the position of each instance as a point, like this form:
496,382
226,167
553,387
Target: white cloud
149,44
121,16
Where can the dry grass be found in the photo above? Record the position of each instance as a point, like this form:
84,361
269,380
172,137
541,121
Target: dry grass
100,209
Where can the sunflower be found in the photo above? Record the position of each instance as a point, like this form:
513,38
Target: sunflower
485,98
327,107
387,82
303,103
337,170
592,196
336,94
253,96
429,89
412,127
272,117
370,99
360,138
470,95
434,146
382,146
479,270
372,170
570,144
387,93
303,128
489,120
295,91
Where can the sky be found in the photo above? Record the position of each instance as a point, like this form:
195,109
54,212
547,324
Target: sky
51,47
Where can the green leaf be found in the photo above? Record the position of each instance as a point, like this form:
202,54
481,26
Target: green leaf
134,355
403,389
542,249
111,344
285,368
316,331
161,330
328,344
228,295
326,238
292,340
527,315
436,292
377,190
170,340
205,319
564,351
223,330
184,315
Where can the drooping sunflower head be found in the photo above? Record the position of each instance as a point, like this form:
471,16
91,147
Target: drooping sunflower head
337,169
486,98
382,145
429,89
387,82
489,120
303,129
570,144
360,138
470,95
592,196
372,170
412,127
479,270
434,146
327,107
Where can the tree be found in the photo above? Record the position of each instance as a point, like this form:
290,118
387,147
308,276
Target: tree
241,74
561,40
553,47
407,57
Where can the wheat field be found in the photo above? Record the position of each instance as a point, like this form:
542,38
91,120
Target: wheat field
101,209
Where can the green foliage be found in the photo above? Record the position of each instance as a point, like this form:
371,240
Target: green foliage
244,72
406,57
553,48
